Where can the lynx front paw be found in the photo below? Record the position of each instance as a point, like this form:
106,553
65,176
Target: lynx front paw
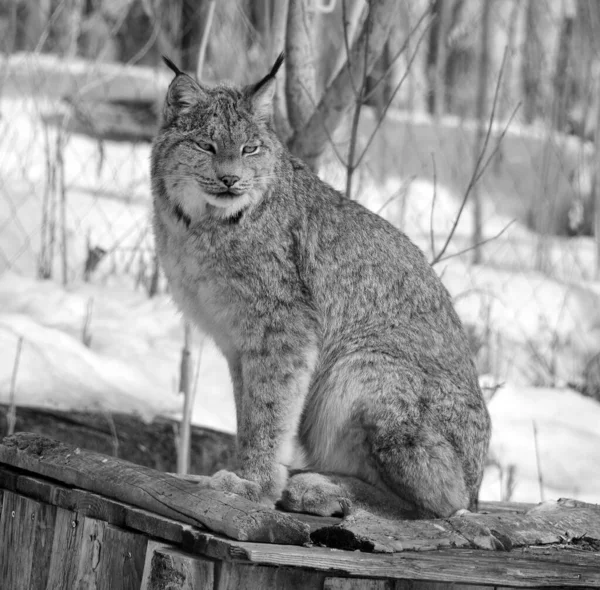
227,481
314,493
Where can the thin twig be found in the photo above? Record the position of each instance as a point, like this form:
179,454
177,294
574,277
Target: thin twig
358,103
11,418
537,461
395,195
476,169
86,336
113,433
472,246
431,232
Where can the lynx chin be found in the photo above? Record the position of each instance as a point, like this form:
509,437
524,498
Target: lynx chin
352,376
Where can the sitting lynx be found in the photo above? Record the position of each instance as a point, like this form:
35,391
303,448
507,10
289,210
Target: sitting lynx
349,364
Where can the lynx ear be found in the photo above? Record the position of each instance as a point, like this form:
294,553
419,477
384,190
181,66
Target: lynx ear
261,93
183,92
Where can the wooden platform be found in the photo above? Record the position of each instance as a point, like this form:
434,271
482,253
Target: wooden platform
75,519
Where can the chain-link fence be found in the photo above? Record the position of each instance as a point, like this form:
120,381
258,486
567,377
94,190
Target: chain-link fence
81,88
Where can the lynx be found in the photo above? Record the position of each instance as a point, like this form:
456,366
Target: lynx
352,376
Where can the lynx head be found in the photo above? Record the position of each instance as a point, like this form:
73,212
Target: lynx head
216,145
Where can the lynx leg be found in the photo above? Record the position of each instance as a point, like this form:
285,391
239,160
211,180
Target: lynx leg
421,438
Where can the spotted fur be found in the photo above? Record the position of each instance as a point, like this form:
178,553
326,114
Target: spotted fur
347,358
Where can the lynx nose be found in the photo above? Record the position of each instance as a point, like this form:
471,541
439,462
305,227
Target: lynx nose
229,181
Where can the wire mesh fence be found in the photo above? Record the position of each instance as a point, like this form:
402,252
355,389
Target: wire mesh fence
511,83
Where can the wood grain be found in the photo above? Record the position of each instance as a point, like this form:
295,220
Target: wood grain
26,534
549,567
238,576
157,492
548,523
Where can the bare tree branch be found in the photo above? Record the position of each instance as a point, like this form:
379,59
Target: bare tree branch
350,23
358,102
477,169
431,231
309,141
472,246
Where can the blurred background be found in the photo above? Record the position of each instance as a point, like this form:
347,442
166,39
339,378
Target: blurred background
470,125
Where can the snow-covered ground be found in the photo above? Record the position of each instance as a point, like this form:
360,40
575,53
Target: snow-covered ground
531,329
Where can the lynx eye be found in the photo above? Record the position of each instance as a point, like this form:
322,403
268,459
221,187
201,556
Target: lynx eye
250,149
206,147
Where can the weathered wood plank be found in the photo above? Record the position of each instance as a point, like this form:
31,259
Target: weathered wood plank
109,558
68,537
552,522
233,575
88,553
94,506
112,511
158,492
544,568
367,532
167,567
26,533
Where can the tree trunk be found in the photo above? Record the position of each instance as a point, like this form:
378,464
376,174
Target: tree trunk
310,141
437,98
532,60
192,16
300,82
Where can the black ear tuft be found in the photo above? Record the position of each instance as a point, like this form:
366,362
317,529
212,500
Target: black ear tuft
172,66
270,75
277,65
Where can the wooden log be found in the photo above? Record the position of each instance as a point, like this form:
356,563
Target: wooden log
158,492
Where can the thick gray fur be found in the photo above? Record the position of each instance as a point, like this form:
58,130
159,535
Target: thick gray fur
347,358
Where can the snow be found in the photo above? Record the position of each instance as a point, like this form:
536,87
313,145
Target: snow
131,366
568,440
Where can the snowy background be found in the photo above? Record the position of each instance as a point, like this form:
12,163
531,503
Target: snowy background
106,337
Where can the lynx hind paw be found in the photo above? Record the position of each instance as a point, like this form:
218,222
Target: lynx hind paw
314,493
